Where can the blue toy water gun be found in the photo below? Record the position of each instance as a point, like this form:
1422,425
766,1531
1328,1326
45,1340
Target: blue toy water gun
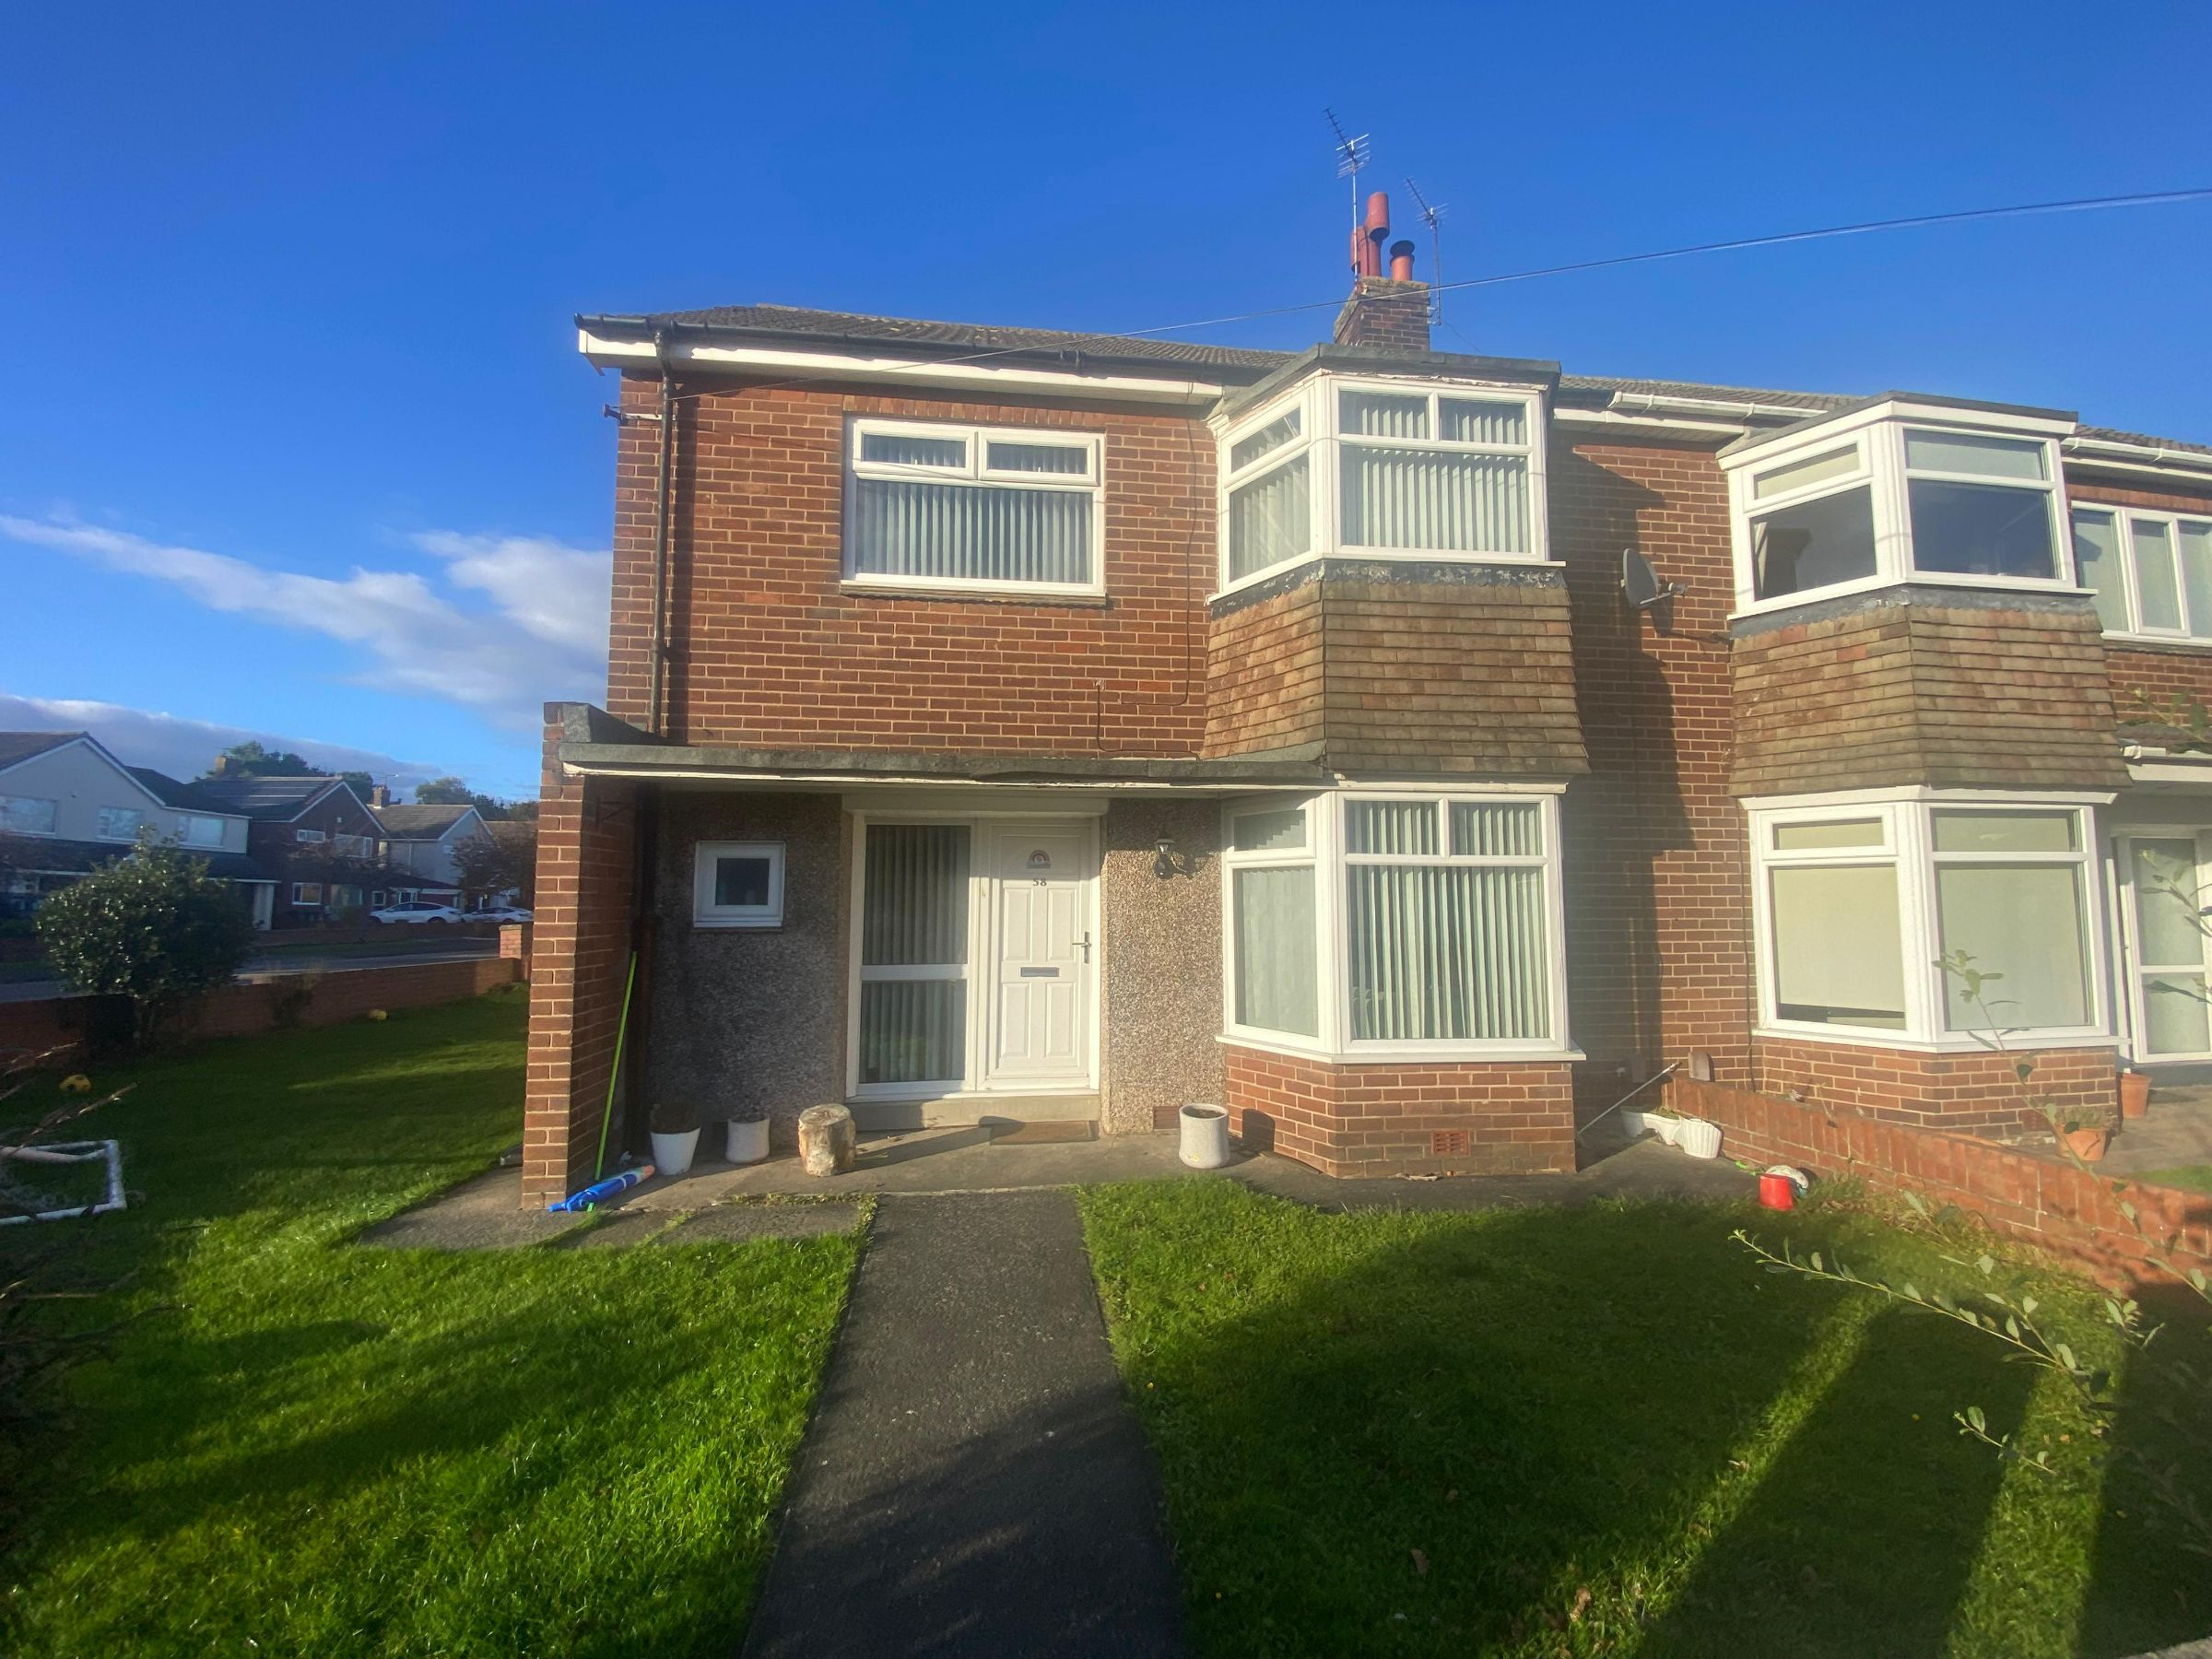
601,1191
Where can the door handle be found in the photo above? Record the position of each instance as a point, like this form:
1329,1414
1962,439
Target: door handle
1085,942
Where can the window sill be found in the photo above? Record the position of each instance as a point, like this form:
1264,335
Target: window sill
1874,584
2181,643
1505,561
974,595
1403,1054
2019,1043
734,924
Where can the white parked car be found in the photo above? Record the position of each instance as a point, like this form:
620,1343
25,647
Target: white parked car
417,912
500,912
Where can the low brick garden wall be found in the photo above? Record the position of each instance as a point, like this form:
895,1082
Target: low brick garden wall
247,1010
2042,1201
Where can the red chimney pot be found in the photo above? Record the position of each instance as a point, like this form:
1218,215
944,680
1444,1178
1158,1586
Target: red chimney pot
1400,262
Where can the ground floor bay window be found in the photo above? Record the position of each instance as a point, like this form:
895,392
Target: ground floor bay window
1859,899
1383,925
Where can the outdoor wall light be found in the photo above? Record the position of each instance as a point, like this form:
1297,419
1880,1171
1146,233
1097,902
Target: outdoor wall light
1163,861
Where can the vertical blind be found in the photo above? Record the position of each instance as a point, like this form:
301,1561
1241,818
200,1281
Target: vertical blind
914,914
1838,948
1434,500
1270,519
970,532
2025,922
1277,988
1447,952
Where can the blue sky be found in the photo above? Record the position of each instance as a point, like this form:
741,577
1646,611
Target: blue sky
298,443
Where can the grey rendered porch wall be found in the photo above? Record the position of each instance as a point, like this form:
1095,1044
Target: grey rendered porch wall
751,1021
1162,980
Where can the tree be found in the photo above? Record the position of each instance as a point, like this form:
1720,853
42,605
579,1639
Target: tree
153,928
504,860
249,759
454,792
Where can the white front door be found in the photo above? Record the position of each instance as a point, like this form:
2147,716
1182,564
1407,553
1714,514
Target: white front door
1041,977
2164,888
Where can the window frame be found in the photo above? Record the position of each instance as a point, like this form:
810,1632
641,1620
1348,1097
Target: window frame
54,813
974,474
1318,400
299,899
1908,829
2123,519
706,913
310,838
1878,433
1326,852
185,822
100,824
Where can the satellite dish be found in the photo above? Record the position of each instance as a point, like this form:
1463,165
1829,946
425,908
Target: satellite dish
1641,583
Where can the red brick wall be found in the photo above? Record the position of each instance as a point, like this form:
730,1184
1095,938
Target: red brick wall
1976,1093
767,649
249,1010
2043,1201
579,961
1386,313
1657,891
1377,1119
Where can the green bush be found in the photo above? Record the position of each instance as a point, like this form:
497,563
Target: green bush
153,928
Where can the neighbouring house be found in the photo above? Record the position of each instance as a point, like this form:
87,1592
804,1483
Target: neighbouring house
1411,750
420,843
316,835
68,807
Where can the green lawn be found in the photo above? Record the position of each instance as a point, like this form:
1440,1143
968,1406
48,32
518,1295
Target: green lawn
322,1449
2193,1178
1602,1431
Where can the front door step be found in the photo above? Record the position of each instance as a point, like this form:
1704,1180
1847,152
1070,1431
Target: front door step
872,1117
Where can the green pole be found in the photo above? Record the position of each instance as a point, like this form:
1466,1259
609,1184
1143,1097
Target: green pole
623,1030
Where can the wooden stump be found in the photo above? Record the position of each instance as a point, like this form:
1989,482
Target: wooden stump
825,1140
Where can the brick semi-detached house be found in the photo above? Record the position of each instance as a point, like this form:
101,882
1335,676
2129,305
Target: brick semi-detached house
1007,724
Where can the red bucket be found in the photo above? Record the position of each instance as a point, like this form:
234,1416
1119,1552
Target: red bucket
1777,1192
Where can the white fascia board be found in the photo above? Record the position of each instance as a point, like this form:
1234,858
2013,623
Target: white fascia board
1901,410
849,366
2112,455
1613,420
1734,413
1881,794
846,781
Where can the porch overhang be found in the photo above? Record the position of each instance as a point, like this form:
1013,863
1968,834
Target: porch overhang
2152,765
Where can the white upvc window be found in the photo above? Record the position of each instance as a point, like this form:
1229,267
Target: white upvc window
1374,925
196,830
989,509
1378,468
1901,492
354,846
2151,571
310,838
307,894
737,883
1858,898
119,823
28,815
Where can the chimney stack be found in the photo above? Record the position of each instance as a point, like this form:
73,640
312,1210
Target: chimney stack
1390,312
380,794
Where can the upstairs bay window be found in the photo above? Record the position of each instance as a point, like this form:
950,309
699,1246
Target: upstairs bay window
1375,925
1858,900
2151,571
991,508
1897,493
1384,470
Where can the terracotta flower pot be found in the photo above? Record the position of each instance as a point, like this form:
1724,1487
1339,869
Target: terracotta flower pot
2134,1094
2088,1144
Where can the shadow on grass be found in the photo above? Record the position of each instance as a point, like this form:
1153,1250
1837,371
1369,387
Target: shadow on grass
1598,1430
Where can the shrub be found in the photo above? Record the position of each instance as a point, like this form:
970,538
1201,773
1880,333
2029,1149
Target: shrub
153,928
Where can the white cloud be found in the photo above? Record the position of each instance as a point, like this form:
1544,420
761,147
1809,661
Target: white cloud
184,747
542,638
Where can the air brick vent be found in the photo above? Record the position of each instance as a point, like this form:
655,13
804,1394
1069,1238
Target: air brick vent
1448,1143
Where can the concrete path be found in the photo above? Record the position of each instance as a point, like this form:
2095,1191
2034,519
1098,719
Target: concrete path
972,1482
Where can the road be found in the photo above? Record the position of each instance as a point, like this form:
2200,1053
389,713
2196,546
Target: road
266,965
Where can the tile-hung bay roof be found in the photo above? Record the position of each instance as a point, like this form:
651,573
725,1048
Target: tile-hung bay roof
418,823
263,797
22,745
798,327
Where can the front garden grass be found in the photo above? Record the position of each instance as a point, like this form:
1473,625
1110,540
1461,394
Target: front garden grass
304,1446
1607,1431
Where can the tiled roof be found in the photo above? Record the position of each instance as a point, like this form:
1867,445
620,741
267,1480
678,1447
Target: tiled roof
56,856
418,823
186,797
2113,435
262,798
22,745
797,323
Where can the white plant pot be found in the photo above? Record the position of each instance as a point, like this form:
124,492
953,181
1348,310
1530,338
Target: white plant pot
1632,1123
747,1143
1669,1129
672,1153
1699,1138
1204,1137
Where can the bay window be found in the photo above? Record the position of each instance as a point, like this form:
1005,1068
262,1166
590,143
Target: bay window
1856,900
1901,492
1006,509
2151,571
1384,469
1382,924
